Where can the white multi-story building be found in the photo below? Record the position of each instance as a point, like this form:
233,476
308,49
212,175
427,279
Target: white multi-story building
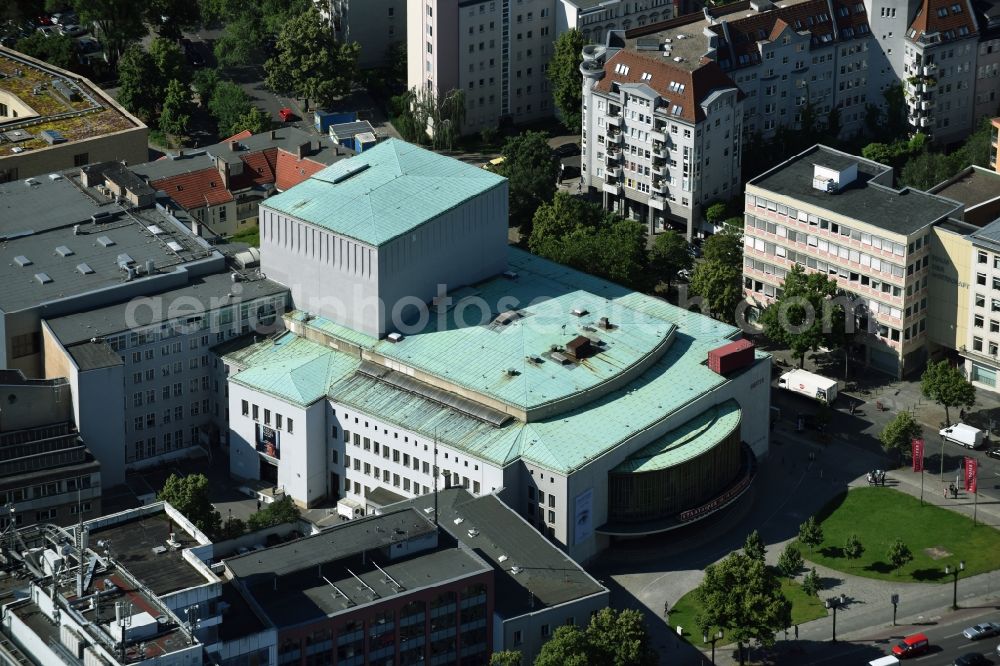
376,25
496,51
660,138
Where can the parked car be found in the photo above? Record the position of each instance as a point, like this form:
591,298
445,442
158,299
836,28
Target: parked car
48,30
43,20
684,274
982,630
994,452
88,45
911,646
972,659
64,18
567,150
73,30
286,115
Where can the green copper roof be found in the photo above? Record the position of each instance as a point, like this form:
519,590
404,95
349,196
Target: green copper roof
384,192
697,436
291,368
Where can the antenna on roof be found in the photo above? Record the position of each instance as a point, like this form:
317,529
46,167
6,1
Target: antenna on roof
435,476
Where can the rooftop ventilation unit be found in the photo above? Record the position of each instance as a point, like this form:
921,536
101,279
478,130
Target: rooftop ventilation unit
64,251
512,372
101,217
394,337
84,269
175,246
534,359
578,312
502,558
55,176
52,137
30,182
22,261
510,275
105,241
832,179
507,317
473,533
125,260
514,570
604,323
43,278
459,520
155,230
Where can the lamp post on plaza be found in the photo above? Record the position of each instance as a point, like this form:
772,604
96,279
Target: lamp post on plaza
835,603
716,637
954,571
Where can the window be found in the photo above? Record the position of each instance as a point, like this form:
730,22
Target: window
289,425
81,159
267,417
256,413
977,344
518,639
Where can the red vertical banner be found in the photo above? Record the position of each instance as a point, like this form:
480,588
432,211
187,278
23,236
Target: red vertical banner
971,474
918,455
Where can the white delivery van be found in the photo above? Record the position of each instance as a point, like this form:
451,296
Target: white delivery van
809,384
350,509
964,435
884,661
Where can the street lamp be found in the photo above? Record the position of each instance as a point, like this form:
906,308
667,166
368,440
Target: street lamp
835,603
954,573
716,637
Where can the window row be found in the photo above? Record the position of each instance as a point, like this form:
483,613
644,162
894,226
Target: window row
280,422
843,272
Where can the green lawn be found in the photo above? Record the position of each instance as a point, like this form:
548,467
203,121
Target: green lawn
684,612
937,537
248,234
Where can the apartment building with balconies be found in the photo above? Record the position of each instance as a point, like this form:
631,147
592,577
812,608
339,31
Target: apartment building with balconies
839,215
940,64
661,138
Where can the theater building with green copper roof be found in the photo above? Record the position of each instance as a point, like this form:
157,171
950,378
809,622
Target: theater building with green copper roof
589,408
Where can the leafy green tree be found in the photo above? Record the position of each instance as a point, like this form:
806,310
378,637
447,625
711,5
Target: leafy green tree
754,546
743,596
169,61
275,513
725,246
810,533
721,285
138,82
506,658
899,555
442,114
944,384
310,62
228,104
804,318
669,255
254,119
239,44
619,639
585,236
899,433
567,647
927,170
204,82
189,495
715,213
171,17
56,50
120,23
567,81
790,561
531,173
811,583
232,528
176,112
853,548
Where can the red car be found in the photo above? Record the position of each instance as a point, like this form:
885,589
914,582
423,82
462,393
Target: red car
43,20
286,115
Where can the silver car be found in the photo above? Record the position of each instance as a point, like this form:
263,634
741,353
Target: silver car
983,630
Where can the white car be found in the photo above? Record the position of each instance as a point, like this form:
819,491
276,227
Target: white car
982,630
73,30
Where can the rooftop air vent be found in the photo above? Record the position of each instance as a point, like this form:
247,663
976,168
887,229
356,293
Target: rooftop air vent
64,251
604,323
473,533
459,520
507,317
578,312
30,182
105,241
52,137
84,269
514,570
512,372
155,230
103,216
55,176
43,278
394,337
22,260
534,359
502,558
125,260
510,275
175,246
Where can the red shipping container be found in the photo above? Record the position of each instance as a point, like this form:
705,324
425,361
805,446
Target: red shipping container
731,357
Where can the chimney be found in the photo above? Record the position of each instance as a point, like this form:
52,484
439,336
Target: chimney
234,145
180,153
274,134
304,149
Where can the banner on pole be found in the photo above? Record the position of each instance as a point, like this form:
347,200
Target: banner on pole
971,474
918,455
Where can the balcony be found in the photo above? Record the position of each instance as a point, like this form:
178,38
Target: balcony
929,70
659,169
926,105
657,202
614,171
659,133
616,138
925,121
614,122
612,188
614,110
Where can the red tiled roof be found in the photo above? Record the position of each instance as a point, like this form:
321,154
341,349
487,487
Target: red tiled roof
290,170
257,170
812,16
939,16
195,189
697,84
245,134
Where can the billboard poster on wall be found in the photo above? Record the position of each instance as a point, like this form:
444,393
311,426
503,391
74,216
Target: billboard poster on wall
583,516
267,441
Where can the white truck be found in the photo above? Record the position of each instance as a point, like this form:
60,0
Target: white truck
349,509
810,385
964,435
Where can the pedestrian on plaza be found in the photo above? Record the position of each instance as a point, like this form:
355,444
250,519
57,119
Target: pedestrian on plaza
796,632
946,493
258,504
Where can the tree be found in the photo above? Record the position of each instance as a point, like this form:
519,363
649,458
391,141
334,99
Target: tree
228,103
721,285
742,596
669,255
726,246
531,172
927,170
120,22
169,61
619,639
138,83
944,383
715,213
811,583
189,495
176,112
310,62
232,528
171,17
56,50
754,546
506,658
900,432
585,236
811,533
205,81
567,647
239,44
898,555
853,548
790,561
275,513
803,318
567,81
254,119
